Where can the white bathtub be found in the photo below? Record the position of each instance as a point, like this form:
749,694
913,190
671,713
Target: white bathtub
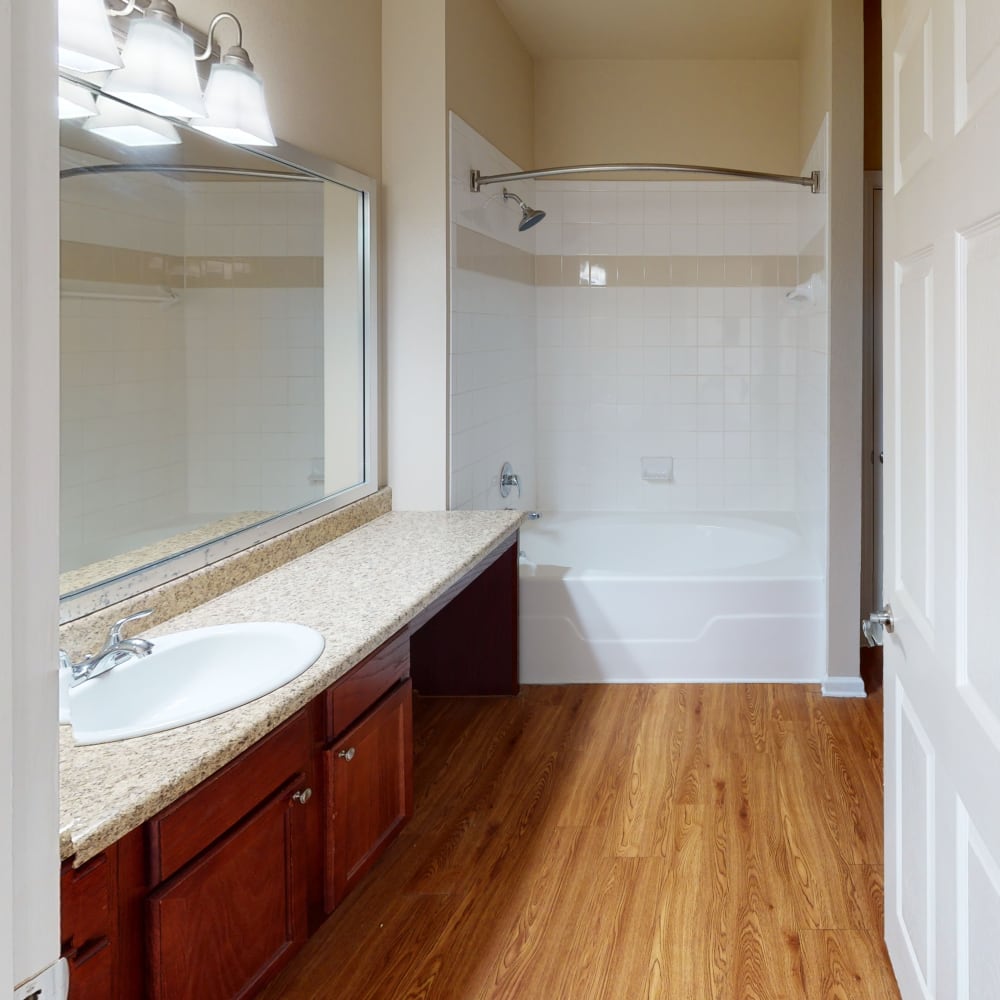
668,597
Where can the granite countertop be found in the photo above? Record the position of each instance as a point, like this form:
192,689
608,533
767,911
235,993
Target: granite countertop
357,590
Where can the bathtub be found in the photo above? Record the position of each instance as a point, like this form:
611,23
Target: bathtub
668,597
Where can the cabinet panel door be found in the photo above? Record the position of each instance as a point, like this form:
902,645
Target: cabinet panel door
369,787
231,919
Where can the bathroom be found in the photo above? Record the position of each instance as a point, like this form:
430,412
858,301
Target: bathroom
635,355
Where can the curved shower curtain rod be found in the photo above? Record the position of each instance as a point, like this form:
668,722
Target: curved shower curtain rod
477,180
176,168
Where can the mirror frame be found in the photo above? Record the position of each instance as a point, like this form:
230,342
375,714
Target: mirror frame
111,591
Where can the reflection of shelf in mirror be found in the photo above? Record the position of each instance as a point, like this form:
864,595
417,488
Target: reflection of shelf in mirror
112,292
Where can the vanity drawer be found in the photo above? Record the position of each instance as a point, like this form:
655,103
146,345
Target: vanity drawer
364,684
192,823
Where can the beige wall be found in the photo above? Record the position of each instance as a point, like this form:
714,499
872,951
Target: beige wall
740,113
490,77
321,65
814,72
415,252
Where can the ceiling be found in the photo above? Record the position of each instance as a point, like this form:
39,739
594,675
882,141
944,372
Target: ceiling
657,29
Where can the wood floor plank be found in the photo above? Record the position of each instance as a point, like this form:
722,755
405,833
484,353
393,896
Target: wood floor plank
683,962
640,821
869,889
680,842
595,765
853,806
845,965
548,912
819,886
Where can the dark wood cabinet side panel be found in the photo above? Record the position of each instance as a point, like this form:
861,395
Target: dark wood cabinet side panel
470,647
187,827
229,921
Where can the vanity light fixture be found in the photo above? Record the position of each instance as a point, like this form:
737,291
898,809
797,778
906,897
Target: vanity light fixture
234,96
129,126
159,72
86,43
75,101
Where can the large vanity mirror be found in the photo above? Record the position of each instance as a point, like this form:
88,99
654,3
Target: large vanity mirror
217,352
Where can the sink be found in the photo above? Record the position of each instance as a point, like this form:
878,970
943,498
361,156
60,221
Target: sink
191,676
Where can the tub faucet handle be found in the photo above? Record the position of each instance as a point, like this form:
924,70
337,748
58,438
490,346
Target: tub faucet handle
508,480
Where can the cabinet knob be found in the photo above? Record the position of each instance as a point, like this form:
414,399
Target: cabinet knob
302,796
347,754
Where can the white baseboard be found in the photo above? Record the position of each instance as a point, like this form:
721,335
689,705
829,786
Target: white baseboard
844,687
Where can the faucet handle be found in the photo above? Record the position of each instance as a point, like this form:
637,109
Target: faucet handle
116,629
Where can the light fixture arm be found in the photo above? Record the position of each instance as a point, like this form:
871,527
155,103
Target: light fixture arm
236,54
124,12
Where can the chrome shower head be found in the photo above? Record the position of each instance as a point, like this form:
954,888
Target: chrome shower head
529,216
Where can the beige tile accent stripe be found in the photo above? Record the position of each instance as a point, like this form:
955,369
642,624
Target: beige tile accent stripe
485,255
658,272
93,262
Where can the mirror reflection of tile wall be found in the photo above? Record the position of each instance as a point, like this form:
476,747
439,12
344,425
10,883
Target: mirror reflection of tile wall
192,357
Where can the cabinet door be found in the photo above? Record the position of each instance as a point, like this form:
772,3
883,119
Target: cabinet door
227,922
369,788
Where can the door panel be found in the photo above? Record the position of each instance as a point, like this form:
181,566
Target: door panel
914,366
978,914
941,62
914,898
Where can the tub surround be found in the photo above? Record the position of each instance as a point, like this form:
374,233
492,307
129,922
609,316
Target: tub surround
357,590
640,598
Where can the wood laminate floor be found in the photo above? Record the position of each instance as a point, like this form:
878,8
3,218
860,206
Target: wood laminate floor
626,842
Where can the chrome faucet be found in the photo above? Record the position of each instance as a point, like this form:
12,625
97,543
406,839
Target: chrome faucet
508,480
116,650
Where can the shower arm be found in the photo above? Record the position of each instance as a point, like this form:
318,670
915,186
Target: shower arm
477,180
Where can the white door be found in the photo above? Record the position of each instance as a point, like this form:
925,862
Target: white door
942,491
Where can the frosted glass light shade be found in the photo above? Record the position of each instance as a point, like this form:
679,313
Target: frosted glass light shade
86,43
236,108
75,101
129,127
159,73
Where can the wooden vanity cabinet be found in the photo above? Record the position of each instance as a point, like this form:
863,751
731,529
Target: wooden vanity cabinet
369,790
367,765
230,864
216,893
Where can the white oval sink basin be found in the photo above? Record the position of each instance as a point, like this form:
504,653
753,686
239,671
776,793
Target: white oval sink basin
191,676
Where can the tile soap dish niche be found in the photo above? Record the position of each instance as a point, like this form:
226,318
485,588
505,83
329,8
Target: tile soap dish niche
657,468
